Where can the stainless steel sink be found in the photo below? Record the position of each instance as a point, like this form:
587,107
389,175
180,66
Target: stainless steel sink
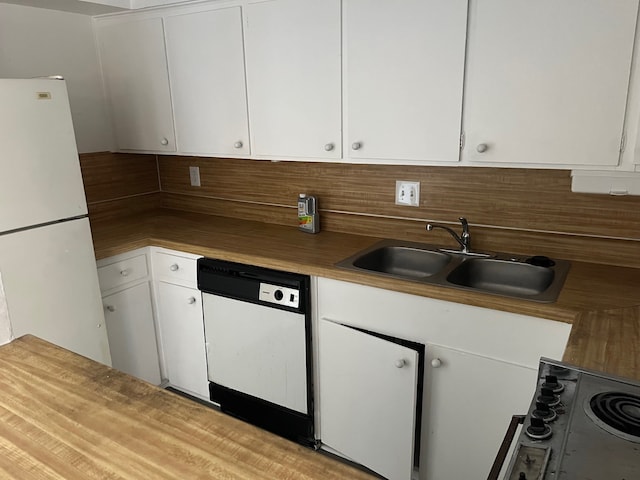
504,277
403,261
536,278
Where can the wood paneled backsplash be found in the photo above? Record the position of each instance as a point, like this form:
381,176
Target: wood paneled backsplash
515,210
118,184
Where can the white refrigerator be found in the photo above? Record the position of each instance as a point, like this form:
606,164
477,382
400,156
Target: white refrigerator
48,278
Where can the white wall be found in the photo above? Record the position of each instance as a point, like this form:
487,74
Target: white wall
37,42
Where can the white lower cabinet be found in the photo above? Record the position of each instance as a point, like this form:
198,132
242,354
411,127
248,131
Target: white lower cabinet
478,395
132,337
480,367
182,338
128,311
156,334
180,321
368,398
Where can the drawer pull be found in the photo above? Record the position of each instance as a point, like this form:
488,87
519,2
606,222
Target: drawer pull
125,272
192,300
175,267
436,363
110,308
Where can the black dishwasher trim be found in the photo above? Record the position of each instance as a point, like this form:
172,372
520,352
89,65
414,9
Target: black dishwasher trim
276,419
241,282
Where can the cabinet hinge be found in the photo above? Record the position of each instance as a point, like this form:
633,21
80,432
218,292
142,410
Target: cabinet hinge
623,141
461,140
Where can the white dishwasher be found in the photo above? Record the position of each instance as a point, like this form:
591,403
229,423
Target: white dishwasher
258,332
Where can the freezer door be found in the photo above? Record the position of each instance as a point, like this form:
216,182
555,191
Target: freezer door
51,286
40,178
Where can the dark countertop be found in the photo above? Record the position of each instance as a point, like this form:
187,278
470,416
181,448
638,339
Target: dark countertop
594,295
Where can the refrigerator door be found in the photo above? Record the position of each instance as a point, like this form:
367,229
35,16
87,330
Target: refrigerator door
51,286
40,178
6,335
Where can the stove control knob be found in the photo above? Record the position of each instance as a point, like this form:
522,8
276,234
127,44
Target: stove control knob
278,295
548,397
543,412
538,430
551,382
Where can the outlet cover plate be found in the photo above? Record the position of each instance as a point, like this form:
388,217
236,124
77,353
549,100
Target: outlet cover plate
194,176
407,193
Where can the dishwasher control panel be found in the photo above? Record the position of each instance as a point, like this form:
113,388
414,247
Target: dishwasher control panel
289,297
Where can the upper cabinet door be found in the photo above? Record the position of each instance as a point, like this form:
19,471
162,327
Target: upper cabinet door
294,70
206,70
134,68
404,68
547,81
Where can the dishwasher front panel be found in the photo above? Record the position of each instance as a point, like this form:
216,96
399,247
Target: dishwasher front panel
257,350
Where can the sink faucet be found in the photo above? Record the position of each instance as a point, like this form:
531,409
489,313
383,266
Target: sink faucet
463,239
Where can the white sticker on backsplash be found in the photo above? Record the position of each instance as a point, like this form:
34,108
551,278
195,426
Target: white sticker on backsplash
6,334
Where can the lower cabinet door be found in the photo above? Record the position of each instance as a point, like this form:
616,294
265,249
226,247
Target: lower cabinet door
470,401
182,337
368,394
132,336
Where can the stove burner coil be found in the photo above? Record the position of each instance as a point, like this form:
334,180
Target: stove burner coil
616,412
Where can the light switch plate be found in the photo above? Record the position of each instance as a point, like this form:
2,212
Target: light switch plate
194,176
407,193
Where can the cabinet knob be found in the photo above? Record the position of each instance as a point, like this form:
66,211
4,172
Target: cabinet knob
482,147
401,362
356,145
238,144
110,308
174,268
192,300
164,141
329,146
436,363
125,272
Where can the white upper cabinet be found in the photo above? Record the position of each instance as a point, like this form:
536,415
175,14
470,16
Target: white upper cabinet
206,71
134,68
404,67
293,73
546,81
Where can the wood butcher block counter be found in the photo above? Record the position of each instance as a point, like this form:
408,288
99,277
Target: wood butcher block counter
593,296
64,416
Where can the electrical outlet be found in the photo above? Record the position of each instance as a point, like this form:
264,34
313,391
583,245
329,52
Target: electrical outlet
194,176
407,193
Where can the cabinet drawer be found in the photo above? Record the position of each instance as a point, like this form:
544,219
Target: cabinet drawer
124,271
174,268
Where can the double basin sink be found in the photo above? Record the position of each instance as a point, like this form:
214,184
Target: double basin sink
536,278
